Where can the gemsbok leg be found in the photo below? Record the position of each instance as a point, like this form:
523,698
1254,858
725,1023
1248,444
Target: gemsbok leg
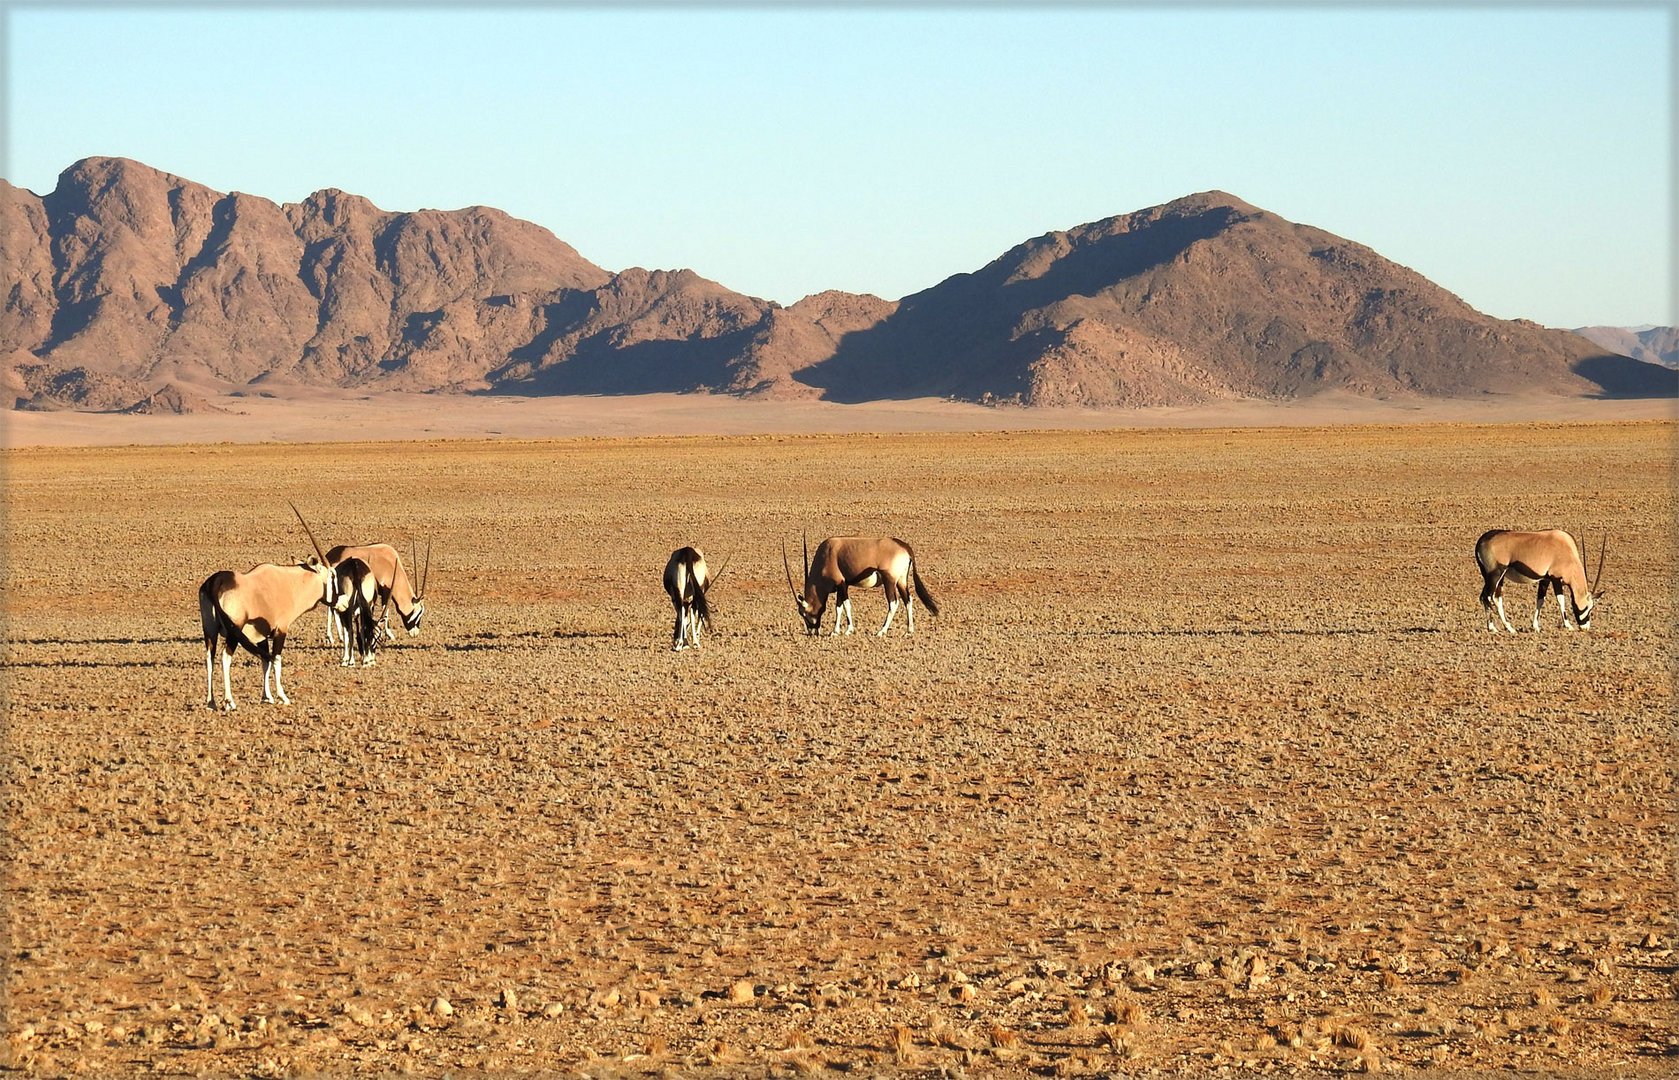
273,662
227,682
842,610
891,591
1492,598
1562,603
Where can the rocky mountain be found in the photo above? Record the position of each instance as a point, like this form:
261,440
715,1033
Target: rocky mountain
132,289
1200,299
1651,344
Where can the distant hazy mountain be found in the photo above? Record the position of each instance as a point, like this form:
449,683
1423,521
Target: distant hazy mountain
1652,344
132,289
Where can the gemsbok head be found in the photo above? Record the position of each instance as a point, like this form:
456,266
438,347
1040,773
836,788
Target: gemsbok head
1550,558
254,611
394,586
842,563
687,580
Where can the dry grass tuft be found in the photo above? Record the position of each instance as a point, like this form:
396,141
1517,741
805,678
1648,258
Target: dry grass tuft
1003,1038
903,1044
1600,995
1353,1038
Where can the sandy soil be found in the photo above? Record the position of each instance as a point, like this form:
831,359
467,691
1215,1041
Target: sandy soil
313,415
1209,765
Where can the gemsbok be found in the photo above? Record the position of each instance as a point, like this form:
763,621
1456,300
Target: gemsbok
846,562
1550,558
687,581
353,612
254,610
394,586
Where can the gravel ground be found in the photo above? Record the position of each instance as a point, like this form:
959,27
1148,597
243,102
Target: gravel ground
1208,766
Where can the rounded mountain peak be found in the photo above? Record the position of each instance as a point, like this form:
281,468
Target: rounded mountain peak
1203,201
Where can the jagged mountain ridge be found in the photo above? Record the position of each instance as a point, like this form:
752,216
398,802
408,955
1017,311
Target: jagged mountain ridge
133,288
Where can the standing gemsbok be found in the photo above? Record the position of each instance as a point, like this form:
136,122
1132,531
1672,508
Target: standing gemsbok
394,586
353,612
846,562
687,581
255,610
1552,559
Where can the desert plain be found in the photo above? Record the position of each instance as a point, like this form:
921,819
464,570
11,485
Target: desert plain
1209,765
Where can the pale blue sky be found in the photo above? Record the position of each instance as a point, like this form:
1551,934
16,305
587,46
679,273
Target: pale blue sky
1518,155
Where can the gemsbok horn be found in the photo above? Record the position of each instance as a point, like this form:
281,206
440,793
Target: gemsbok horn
687,580
1551,559
254,610
846,562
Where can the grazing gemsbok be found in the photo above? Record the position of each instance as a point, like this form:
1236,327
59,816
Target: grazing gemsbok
353,612
1552,559
846,562
254,610
394,586
687,580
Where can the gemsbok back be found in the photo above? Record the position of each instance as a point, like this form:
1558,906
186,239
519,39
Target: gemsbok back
846,562
254,610
1552,559
394,586
687,580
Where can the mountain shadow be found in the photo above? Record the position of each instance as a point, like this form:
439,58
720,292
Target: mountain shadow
1622,377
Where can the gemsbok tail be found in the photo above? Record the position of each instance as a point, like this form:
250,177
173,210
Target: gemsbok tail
921,592
702,606
1482,558
215,621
